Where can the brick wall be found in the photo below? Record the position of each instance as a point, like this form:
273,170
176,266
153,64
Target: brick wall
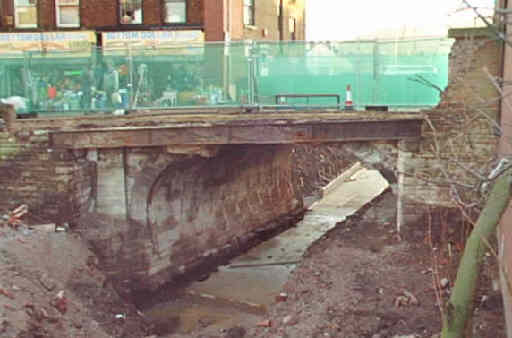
211,14
104,13
195,12
91,16
460,132
46,15
266,17
57,186
266,26
214,20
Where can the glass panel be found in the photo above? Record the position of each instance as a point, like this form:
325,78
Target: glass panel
176,12
248,16
69,16
68,2
130,11
26,16
278,74
25,2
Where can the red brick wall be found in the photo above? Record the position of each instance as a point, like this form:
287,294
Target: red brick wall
195,12
152,12
210,14
92,16
101,13
214,20
46,14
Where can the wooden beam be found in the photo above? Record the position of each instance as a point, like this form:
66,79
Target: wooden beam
237,134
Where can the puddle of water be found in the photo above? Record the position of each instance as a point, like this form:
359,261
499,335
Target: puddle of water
190,311
240,292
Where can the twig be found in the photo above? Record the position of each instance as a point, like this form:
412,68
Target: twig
436,283
236,266
492,27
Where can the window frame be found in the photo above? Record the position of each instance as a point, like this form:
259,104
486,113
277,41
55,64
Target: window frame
57,14
16,18
251,19
164,11
119,6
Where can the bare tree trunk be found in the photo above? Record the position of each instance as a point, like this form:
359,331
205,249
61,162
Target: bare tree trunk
458,314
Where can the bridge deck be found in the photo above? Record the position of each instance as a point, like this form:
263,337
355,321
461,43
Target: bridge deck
226,127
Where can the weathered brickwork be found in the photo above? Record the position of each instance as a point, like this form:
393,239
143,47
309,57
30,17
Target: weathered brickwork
461,131
182,209
56,185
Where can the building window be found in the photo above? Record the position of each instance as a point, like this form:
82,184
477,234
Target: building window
175,11
25,13
68,13
249,12
130,12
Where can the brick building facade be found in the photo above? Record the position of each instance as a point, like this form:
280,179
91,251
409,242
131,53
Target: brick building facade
218,19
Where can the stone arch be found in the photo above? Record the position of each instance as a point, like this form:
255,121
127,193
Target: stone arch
190,207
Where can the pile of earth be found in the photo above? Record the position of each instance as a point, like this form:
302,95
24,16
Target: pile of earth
50,287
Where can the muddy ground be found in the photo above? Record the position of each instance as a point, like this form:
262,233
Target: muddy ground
363,280
50,287
360,280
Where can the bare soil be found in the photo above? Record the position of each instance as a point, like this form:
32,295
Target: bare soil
50,287
364,280
360,280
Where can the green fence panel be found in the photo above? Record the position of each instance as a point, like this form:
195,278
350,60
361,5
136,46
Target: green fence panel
395,74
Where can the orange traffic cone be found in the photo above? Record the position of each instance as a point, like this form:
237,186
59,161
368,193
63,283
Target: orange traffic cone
348,99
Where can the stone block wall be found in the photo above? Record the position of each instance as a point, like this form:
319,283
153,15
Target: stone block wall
183,210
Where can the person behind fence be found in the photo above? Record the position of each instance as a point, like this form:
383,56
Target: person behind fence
86,86
111,85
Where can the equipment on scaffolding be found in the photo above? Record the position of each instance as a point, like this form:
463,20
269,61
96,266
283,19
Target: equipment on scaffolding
142,94
169,95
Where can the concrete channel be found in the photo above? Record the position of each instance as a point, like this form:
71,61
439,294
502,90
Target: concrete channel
238,294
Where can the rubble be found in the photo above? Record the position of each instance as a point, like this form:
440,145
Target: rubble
14,216
265,323
60,302
282,297
48,283
406,298
444,283
50,286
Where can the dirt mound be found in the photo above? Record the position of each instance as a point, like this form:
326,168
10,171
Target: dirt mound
362,280
50,287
